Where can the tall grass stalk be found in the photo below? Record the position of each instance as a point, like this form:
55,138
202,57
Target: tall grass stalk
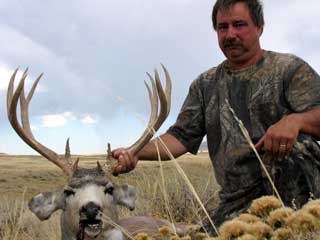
248,138
183,175
165,195
178,167
19,221
189,184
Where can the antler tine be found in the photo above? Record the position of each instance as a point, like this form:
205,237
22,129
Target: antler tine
13,97
67,154
163,103
156,119
24,107
25,131
153,97
168,88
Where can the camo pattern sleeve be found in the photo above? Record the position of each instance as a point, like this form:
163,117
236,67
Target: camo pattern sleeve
189,128
303,87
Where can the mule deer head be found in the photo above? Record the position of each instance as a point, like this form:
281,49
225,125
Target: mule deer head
89,196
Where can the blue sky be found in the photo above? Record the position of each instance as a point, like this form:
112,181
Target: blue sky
94,55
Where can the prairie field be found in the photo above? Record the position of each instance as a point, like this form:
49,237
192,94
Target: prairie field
22,177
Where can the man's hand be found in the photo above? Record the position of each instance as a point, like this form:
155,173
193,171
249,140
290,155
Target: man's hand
126,161
280,137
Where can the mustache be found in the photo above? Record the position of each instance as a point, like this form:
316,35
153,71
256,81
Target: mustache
231,42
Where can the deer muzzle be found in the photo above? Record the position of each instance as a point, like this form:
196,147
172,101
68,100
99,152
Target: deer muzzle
90,219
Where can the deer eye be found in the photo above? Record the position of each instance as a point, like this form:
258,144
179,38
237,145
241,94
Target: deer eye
109,189
69,192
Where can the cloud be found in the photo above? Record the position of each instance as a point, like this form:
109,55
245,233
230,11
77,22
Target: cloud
95,54
56,120
88,120
62,119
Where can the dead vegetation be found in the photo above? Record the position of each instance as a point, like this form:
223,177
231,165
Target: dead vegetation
21,177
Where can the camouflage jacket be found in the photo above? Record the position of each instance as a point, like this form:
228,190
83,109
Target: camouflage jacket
279,84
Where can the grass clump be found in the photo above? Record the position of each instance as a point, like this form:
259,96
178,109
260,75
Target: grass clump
233,229
303,221
247,237
260,229
248,218
266,219
261,207
282,234
277,218
142,236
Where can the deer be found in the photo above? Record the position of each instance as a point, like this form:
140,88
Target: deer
89,196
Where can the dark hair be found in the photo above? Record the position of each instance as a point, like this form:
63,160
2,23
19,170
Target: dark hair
255,9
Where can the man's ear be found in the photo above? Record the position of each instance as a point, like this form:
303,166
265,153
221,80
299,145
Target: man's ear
125,195
44,204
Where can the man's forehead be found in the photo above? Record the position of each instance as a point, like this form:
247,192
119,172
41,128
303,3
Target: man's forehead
235,12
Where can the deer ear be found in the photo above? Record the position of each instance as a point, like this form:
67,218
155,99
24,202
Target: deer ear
125,195
44,204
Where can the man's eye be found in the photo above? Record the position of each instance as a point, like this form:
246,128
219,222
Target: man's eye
222,27
240,24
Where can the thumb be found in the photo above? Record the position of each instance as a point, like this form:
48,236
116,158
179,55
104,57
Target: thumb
117,152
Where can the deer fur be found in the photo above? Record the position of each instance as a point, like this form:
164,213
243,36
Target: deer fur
85,186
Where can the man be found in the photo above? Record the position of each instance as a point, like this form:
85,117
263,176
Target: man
277,96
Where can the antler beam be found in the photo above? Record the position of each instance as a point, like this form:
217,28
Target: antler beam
24,131
157,117
156,94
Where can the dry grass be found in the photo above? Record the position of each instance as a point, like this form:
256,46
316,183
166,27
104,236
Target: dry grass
21,177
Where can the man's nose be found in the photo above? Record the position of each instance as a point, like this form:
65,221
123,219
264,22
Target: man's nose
231,32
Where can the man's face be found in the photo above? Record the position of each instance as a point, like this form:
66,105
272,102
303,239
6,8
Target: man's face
237,35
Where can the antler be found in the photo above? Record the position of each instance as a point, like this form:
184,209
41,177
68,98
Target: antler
156,119
24,131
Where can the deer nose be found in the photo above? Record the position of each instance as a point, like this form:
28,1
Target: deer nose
90,210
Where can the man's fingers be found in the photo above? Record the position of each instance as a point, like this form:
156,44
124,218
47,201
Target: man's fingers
116,170
283,149
259,145
126,161
290,146
120,167
268,144
275,147
117,152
